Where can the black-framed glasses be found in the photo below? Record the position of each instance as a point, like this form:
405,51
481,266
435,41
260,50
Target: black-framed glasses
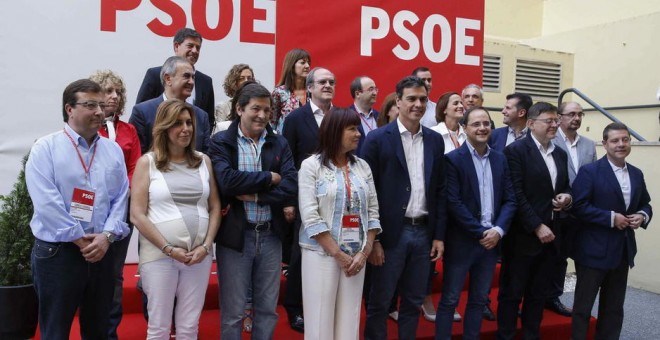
323,82
547,120
92,105
573,114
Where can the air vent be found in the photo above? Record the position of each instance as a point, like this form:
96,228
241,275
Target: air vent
538,79
492,71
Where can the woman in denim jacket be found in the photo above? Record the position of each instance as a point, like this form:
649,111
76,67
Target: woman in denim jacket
338,229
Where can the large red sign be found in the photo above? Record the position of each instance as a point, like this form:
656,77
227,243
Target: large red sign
385,40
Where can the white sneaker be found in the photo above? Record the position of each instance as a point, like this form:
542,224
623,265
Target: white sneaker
394,315
457,316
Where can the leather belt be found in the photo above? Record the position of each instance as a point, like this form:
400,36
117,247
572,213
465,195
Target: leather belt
415,221
261,226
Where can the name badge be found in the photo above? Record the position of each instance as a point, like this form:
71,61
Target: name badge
350,231
82,205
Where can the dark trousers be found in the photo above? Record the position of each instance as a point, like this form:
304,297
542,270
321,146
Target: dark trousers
528,277
119,259
558,273
407,264
65,282
612,284
293,290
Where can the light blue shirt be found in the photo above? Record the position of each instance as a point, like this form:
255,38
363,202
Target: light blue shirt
485,180
52,172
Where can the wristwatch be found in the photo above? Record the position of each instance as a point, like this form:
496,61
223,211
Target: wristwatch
110,236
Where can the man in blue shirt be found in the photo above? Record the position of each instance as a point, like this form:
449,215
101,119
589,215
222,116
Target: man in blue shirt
79,189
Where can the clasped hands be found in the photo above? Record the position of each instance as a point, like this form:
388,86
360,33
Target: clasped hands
632,221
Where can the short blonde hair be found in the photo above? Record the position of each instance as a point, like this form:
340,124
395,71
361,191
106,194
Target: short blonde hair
108,77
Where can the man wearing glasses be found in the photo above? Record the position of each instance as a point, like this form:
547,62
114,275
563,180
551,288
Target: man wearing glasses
581,150
539,173
364,93
79,189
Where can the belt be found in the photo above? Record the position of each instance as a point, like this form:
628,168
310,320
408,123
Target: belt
415,221
261,226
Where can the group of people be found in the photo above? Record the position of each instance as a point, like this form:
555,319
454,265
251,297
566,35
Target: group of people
358,204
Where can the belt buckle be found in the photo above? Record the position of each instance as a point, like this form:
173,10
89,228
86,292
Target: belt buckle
257,225
415,220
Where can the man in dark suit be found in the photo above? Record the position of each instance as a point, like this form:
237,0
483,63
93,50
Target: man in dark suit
540,181
187,44
178,76
407,162
514,118
580,150
481,205
611,201
364,93
301,130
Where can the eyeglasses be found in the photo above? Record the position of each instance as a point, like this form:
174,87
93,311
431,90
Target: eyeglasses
548,120
480,124
371,89
330,82
573,114
92,105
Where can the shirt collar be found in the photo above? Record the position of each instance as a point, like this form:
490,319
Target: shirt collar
523,132
474,152
78,139
616,168
315,108
366,115
402,129
563,136
551,148
241,135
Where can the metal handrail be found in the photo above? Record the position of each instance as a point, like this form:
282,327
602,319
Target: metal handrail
597,107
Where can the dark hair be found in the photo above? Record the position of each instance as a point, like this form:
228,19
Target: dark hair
184,33
467,113
540,108
614,126
356,85
331,133
70,95
524,101
419,69
443,102
248,90
288,76
409,82
383,117
232,78
166,116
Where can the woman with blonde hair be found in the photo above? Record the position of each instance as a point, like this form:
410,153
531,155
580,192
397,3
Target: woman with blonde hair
176,208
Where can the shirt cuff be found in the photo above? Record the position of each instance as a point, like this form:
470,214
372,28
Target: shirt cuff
499,231
612,219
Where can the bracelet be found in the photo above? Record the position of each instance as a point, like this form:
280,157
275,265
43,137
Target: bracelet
171,250
207,248
363,254
165,246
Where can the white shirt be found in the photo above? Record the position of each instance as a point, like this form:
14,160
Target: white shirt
428,119
441,128
413,149
572,149
549,161
318,113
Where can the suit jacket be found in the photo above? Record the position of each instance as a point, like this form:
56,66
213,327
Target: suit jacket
464,199
597,193
383,150
144,116
302,133
204,98
497,139
534,193
586,151
363,135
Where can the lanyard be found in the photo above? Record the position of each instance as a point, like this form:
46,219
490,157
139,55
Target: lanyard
365,121
85,167
347,182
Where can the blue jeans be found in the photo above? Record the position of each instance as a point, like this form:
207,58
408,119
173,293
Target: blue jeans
64,282
460,260
259,265
408,264
119,259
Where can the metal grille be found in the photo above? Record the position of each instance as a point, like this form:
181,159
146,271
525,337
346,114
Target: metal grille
538,78
492,72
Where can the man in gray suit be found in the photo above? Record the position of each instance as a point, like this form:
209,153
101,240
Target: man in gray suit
581,150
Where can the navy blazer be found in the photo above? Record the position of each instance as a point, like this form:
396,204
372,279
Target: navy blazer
302,133
497,139
152,87
597,193
144,116
534,193
464,198
383,150
363,135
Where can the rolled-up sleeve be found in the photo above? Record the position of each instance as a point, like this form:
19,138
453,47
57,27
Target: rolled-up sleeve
312,222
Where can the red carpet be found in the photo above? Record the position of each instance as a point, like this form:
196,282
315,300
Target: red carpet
134,326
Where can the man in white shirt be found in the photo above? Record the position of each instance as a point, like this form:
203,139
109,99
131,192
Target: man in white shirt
425,75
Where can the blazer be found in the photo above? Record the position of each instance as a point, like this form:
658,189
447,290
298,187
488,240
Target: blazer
534,193
596,194
275,157
383,150
302,133
586,151
363,135
152,87
464,199
144,116
497,139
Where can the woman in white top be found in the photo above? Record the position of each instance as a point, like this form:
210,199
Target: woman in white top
449,112
175,206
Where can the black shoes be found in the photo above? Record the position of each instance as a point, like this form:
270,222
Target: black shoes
556,306
488,313
297,323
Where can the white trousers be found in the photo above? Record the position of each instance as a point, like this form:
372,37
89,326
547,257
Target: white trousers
165,279
331,300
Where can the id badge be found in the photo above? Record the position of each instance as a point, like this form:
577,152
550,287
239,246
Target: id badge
350,231
82,205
